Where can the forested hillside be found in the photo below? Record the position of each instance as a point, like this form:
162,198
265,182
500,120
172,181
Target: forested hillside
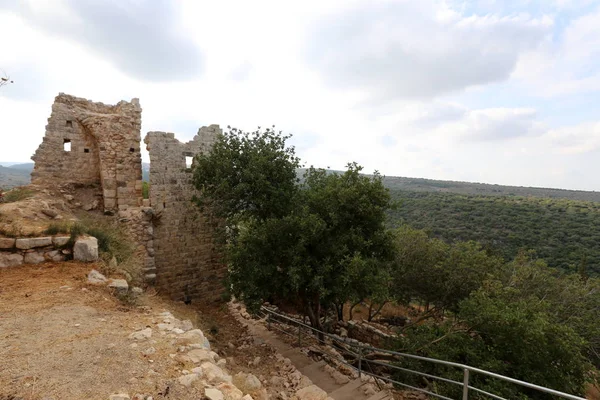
485,189
565,233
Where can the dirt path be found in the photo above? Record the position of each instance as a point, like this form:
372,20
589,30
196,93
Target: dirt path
61,338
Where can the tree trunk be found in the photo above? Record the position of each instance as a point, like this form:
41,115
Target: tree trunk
314,315
340,311
371,316
352,308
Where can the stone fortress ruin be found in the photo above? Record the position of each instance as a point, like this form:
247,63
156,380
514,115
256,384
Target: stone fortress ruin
94,145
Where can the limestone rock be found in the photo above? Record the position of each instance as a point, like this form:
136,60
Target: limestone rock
187,380
55,255
142,334
33,258
86,249
200,355
213,394
247,383
312,392
30,243
96,277
50,213
193,336
119,285
7,243
187,325
120,396
214,374
91,206
137,290
230,392
60,240
10,260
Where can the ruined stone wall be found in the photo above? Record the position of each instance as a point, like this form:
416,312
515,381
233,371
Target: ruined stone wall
185,256
104,150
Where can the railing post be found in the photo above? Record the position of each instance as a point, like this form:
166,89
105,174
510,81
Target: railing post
359,361
299,335
465,384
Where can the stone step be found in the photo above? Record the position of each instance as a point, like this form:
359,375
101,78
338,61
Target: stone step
384,394
346,390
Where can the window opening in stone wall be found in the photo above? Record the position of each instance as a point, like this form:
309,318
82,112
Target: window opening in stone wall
86,150
188,161
69,124
67,145
131,150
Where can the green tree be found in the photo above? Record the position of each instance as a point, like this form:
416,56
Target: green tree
333,247
247,175
315,244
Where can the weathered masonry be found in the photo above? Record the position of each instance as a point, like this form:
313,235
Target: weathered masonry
93,144
185,255
98,145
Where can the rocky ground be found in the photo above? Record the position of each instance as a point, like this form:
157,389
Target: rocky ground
62,337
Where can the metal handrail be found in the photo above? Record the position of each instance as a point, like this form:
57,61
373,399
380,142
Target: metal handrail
465,368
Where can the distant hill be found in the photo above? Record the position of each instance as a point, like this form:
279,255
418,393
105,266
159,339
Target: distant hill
24,167
11,177
486,189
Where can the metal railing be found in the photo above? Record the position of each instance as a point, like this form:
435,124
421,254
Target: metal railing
361,361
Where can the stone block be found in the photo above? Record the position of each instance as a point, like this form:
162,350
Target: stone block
60,241
86,249
10,259
119,285
33,258
7,243
30,243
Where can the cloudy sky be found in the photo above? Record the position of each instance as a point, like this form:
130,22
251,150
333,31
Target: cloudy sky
498,91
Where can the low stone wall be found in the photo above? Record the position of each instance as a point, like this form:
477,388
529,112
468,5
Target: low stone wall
36,250
15,252
367,333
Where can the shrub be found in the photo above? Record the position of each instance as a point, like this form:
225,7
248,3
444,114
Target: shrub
17,194
58,227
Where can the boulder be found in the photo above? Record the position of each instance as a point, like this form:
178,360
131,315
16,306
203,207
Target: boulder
247,383
30,243
213,394
193,336
187,325
120,286
187,380
142,334
10,260
214,374
7,243
200,355
311,392
50,213
33,258
230,392
86,249
96,277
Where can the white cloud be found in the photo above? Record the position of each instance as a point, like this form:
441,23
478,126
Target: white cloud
567,65
140,37
255,73
408,49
